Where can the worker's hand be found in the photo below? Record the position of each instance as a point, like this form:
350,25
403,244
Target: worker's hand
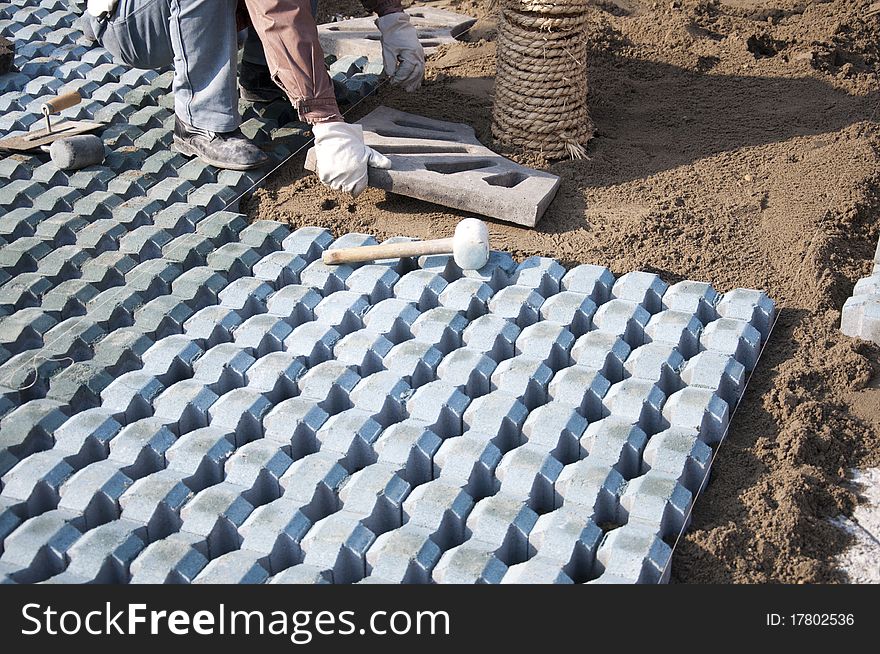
402,52
342,158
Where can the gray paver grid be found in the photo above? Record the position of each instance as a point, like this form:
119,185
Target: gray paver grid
188,397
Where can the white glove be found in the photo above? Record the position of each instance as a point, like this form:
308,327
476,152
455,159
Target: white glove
402,52
342,158
101,8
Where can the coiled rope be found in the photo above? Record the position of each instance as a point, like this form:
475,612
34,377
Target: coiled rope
541,79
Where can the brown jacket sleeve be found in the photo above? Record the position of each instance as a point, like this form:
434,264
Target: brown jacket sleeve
296,61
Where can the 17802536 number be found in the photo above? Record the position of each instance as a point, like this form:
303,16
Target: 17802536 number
811,620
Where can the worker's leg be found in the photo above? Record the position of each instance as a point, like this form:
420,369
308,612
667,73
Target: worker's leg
205,45
254,78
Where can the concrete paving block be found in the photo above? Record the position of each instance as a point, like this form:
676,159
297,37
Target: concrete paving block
39,546
375,281
130,396
222,368
581,387
139,448
200,455
540,273
440,326
469,370
339,543
107,268
624,318
85,437
633,554
24,329
94,493
496,272
548,341
75,337
698,298
280,268
295,303
527,474
24,290
700,409
188,250
637,400
247,295
406,555
409,447
421,287
63,262
121,350
364,350
162,317
500,416
503,522
860,317
572,310
303,574
657,500
24,254
734,337
441,264
660,363
493,335
537,570
415,362
308,242
440,507
20,222
276,375
103,555
155,501
30,427
60,229
519,304
221,227
524,377
393,318
28,376
293,424
199,287
262,334
467,295
184,405
592,486
472,562
240,410
171,560
679,329
349,436
214,514
754,307
258,467
265,236
171,359
469,461
342,310
643,288
434,158
80,385
616,443
236,567
556,428
716,371
212,325
440,405
376,493
313,483
275,531
312,343
115,307
567,539
36,480
680,454
234,260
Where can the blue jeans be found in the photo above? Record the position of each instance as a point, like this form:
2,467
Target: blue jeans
198,37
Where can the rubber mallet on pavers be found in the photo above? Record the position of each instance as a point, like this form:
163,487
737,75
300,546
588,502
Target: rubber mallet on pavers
469,246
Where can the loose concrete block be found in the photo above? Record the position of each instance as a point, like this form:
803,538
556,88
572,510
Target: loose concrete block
679,329
525,378
520,304
660,363
700,409
734,337
433,159
860,317
697,298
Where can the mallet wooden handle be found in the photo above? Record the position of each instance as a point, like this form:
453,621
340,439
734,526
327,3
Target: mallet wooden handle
61,102
388,251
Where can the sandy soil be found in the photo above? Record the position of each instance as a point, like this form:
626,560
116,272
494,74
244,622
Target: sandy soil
736,142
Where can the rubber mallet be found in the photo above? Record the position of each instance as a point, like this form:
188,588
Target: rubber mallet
469,246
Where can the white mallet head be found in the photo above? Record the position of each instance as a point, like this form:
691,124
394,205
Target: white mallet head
470,244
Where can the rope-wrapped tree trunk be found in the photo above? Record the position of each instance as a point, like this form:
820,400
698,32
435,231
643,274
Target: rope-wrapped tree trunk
541,81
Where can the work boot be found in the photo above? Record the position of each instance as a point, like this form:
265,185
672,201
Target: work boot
224,150
256,85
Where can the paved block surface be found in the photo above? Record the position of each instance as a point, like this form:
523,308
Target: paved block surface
444,163
188,398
